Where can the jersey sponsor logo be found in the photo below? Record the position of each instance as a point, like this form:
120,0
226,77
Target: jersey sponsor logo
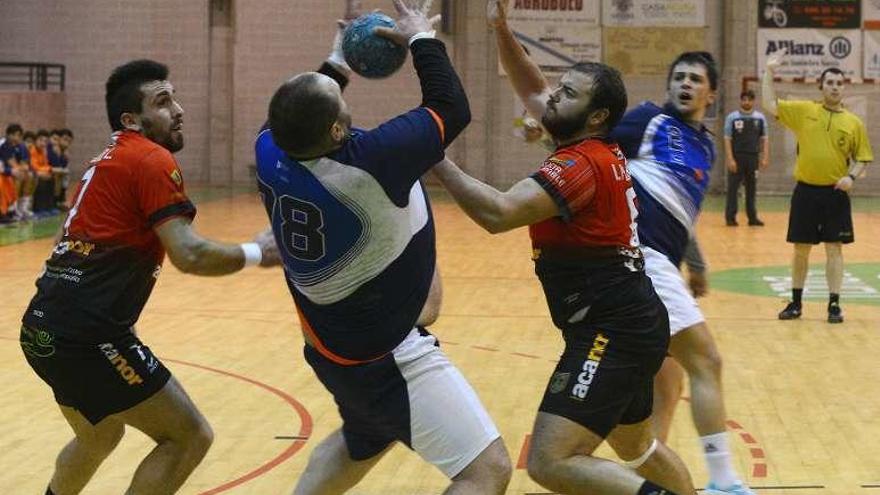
78,247
121,364
176,177
558,382
37,343
591,366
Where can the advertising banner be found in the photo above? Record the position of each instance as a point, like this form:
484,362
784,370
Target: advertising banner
872,55
825,14
557,33
654,13
810,51
649,51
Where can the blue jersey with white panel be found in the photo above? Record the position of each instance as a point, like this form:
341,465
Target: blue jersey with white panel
669,161
356,233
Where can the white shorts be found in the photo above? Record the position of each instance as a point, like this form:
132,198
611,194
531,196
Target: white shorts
413,395
673,291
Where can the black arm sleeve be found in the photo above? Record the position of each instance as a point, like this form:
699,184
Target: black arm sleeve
328,70
442,91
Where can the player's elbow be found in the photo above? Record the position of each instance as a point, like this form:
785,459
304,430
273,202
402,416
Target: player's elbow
186,262
185,256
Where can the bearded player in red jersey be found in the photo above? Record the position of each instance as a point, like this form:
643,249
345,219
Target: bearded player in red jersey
581,212
78,331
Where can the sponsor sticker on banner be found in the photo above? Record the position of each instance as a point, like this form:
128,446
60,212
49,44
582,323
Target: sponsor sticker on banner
655,13
825,14
810,51
557,33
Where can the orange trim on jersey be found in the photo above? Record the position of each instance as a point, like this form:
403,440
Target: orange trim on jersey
440,124
322,349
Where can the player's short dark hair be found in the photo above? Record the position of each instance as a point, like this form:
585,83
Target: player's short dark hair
301,114
703,58
830,70
42,133
66,132
123,90
608,90
27,135
55,132
13,129
747,94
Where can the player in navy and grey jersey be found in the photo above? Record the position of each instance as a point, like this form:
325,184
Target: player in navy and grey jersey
356,234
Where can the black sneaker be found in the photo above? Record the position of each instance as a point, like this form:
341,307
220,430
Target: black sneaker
756,223
835,315
791,312
732,223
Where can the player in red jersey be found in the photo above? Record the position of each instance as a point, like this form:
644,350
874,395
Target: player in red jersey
580,209
78,331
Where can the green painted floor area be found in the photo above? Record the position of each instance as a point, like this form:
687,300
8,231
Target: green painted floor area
46,227
715,202
861,282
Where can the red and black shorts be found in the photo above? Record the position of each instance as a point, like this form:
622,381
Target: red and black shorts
96,379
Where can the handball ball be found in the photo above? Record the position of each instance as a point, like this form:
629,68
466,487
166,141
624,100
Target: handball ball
369,54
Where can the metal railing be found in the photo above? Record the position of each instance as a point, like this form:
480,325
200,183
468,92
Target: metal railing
32,76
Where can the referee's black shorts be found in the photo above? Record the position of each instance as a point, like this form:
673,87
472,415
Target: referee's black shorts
819,214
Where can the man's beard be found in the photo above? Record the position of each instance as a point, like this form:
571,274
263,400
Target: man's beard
564,128
165,140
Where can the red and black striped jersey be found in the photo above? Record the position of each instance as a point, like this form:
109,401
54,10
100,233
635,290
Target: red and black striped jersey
590,184
99,276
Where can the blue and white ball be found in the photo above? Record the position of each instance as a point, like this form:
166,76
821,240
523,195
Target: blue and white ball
368,54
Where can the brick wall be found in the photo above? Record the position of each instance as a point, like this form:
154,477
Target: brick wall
269,41
91,37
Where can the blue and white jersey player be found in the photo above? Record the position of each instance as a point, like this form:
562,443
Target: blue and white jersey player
669,154
356,235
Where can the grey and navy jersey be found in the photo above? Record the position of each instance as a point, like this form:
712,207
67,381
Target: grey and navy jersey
669,161
745,131
356,233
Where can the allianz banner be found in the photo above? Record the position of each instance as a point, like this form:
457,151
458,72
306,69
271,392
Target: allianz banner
827,14
810,51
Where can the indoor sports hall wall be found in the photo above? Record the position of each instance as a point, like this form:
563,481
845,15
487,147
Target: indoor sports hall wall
228,56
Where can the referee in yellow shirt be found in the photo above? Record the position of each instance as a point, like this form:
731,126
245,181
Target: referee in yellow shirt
833,150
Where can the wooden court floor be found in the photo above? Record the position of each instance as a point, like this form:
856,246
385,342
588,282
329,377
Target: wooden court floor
803,397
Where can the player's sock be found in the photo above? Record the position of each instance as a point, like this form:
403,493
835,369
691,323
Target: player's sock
834,299
49,491
796,296
649,488
718,460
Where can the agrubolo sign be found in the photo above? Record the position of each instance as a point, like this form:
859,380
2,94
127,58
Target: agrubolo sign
827,14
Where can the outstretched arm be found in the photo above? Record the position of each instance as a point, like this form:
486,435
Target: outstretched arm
192,253
525,76
523,204
768,91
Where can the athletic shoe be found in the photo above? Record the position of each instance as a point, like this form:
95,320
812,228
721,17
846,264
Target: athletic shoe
736,489
791,312
756,223
835,315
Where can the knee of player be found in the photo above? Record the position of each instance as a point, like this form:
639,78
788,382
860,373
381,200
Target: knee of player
540,464
495,463
103,443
